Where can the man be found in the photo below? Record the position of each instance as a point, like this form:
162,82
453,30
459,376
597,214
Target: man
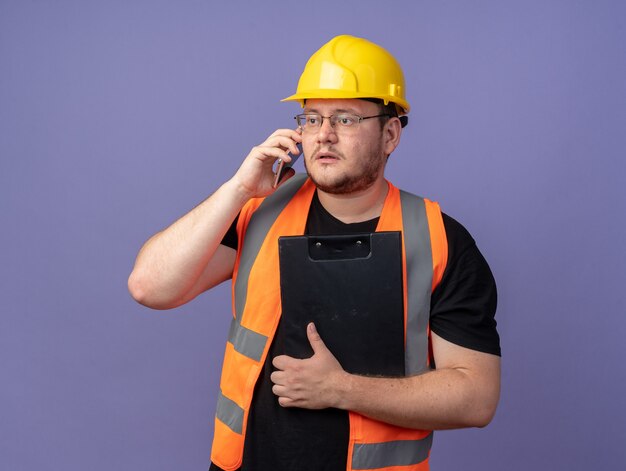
281,413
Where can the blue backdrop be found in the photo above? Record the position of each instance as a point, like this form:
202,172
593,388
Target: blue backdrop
117,117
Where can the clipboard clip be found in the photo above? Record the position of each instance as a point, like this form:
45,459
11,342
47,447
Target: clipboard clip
345,247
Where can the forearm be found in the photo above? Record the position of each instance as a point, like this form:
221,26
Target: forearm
439,399
171,262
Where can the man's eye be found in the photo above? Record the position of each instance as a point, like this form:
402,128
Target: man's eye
312,120
345,120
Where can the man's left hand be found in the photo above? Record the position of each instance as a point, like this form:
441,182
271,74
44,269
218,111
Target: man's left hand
312,383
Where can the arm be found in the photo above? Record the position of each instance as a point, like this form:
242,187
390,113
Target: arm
182,261
462,392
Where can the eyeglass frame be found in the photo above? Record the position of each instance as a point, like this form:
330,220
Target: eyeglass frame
298,117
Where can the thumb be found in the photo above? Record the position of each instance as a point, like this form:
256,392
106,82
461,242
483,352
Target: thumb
315,340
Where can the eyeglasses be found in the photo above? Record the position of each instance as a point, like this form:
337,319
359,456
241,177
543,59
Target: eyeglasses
312,122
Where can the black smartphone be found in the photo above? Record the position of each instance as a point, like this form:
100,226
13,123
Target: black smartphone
283,166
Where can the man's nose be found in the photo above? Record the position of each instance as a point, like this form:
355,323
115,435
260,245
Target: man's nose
326,131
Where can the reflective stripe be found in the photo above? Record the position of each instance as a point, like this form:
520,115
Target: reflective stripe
229,413
245,341
260,222
397,453
419,269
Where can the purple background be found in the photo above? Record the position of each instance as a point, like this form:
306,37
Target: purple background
118,117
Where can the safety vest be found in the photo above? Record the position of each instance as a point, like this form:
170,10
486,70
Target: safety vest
373,445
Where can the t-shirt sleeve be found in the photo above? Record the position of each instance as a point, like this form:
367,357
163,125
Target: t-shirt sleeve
463,306
230,239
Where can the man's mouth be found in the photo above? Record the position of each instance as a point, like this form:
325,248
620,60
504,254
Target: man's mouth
326,157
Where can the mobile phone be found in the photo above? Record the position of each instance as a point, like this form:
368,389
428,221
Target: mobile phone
283,166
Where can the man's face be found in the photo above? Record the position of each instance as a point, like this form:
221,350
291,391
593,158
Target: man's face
344,161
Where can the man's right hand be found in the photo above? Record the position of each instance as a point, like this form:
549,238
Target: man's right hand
255,177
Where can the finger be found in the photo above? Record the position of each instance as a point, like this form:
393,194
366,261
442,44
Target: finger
278,378
282,361
285,138
267,153
286,132
315,340
286,144
279,390
286,402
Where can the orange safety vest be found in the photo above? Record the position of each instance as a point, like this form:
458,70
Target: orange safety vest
257,310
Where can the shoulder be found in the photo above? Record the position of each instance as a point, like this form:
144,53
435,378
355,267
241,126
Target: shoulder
459,238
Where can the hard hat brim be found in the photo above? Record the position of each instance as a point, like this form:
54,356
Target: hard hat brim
342,94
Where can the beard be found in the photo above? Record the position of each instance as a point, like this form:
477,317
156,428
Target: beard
359,177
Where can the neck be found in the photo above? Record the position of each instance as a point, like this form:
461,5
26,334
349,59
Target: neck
356,207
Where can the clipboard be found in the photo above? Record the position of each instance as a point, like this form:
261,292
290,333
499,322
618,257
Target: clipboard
351,287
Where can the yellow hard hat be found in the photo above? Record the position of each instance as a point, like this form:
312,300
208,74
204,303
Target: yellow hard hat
350,67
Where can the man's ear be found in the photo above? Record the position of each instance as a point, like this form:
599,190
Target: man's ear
391,134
